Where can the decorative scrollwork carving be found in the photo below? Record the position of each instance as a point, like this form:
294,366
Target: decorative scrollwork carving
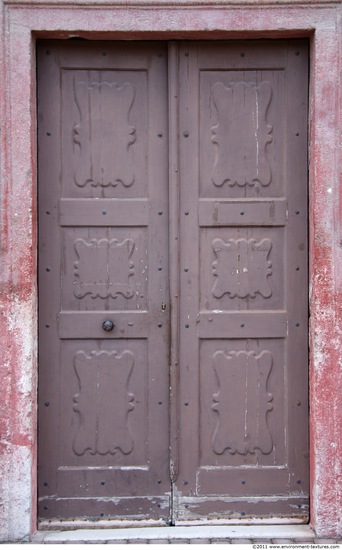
103,268
242,268
242,135
103,402
103,134
242,403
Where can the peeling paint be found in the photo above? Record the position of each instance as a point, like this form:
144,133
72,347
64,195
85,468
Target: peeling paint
15,488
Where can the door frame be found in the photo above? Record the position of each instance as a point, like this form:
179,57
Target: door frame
21,25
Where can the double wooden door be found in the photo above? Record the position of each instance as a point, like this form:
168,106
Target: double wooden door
173,281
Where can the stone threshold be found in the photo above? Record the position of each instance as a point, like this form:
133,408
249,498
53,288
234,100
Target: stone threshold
179,533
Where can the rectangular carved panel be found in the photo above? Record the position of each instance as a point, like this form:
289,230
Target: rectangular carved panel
245,374
112,260
242,405
242,269
103,158
105,268
242,142
105,403
241,129
104,129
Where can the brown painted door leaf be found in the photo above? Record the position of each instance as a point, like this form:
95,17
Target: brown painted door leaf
104,342
243,322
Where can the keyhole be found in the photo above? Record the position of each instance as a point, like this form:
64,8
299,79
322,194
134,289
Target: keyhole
163,306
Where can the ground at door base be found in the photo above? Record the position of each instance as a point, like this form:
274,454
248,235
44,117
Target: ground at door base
247,534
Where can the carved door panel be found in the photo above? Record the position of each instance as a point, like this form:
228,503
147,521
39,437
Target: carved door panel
243,449
104,331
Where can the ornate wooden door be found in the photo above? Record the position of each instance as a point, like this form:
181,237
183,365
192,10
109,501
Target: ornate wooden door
104,323
173,281
243,320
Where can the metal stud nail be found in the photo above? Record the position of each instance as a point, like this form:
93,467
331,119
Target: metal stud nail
48,268
47,403
48,133
159,481
186,269
297,212
108,325
160,268
104,212
186,403
103,483
242,213
160,213
299,481
186,134
160,135
186,213
297,53
186,54
185,482
242,54
160,402
297,324
160,325
45,483
187,325
47,326
242,325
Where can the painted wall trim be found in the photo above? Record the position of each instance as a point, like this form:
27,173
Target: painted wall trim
181,3
21,23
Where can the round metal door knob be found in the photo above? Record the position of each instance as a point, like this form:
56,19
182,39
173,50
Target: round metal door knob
107,325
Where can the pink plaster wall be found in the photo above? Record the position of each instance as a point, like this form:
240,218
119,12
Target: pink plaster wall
326,286
21,21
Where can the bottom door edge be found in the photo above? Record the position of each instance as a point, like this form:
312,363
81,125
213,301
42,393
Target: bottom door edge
67,525
276,520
